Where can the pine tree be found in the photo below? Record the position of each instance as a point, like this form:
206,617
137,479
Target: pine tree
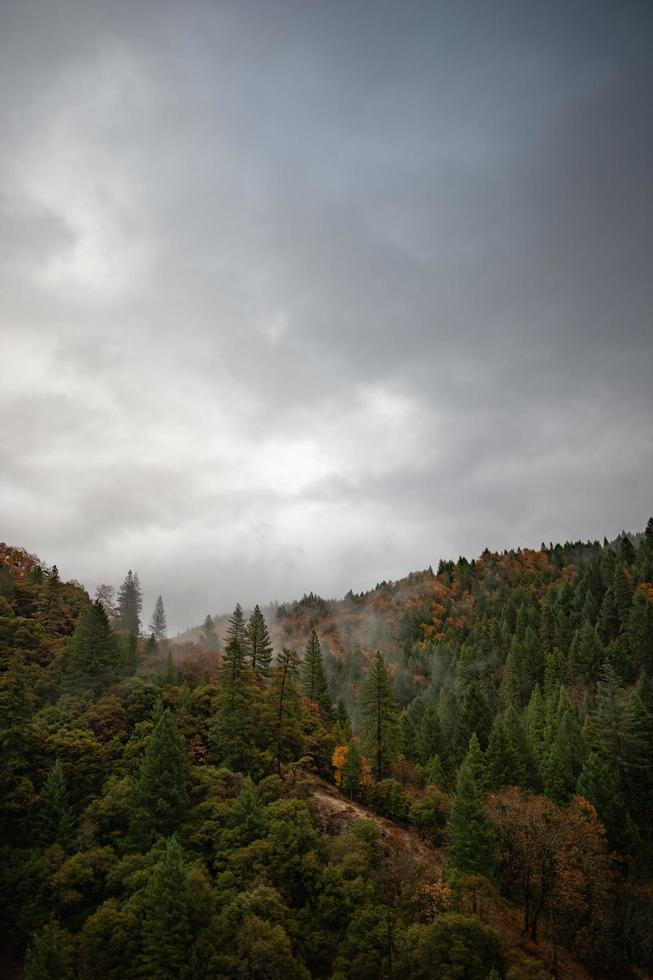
407,737
474,716
475,762
158,623
130,604
209,634
429,741
288,732
597,784
173,914
246,814
50,955
314,681
472,849
260,647
233,727
56,820
161,793
93,658
379,714
503,767
352,770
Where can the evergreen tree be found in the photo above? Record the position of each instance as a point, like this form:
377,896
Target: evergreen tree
288,732
247,814
174,911
50,955
504,767
209,634
161,793
56,820
130,604
474,716
233,727
93,658
379,714
158,623
475,762
407,737
429,741
472,849
597,784
352,769
313,678
260,647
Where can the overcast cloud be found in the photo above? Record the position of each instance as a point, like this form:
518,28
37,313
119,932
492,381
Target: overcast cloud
304,295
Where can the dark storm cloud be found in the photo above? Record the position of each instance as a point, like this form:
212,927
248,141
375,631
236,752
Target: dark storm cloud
305,295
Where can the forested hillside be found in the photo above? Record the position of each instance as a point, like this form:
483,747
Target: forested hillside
450,775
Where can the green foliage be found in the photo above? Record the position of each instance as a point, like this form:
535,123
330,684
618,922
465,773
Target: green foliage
471,849
313,678
50,955
450,948
260,647
379,714
130,604
56,818
177,905
93,658
161,791
158,623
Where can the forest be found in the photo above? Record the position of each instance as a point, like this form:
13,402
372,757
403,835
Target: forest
449,776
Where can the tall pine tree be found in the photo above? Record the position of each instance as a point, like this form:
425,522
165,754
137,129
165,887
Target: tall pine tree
379,714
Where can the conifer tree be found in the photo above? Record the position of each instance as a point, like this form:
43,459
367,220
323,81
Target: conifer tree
288,732
429,741
158,623
246,814
407,737
260,647
93,659
173,915
475,762
209,634
472,849
503,768
56,819
474,716
161,793
17,702
379,714
233,727
130,604
50,955
597,784
352,769
313,678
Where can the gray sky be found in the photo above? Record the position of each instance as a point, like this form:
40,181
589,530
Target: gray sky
304,295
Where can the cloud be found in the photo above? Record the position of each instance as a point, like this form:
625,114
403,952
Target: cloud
304,296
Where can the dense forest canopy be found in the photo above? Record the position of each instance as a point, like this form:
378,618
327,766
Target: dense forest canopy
450,775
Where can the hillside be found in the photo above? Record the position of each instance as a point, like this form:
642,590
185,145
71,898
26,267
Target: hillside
448,773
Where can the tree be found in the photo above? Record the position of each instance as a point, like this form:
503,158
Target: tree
597,784
379,714
56,819
472,849
429,741
176,906
93,659
130,604
161,794
288,733
50,955
246,814
209,634
158,623
233,727
260,647
313,678
452,947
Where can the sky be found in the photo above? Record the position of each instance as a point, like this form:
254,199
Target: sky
300,295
